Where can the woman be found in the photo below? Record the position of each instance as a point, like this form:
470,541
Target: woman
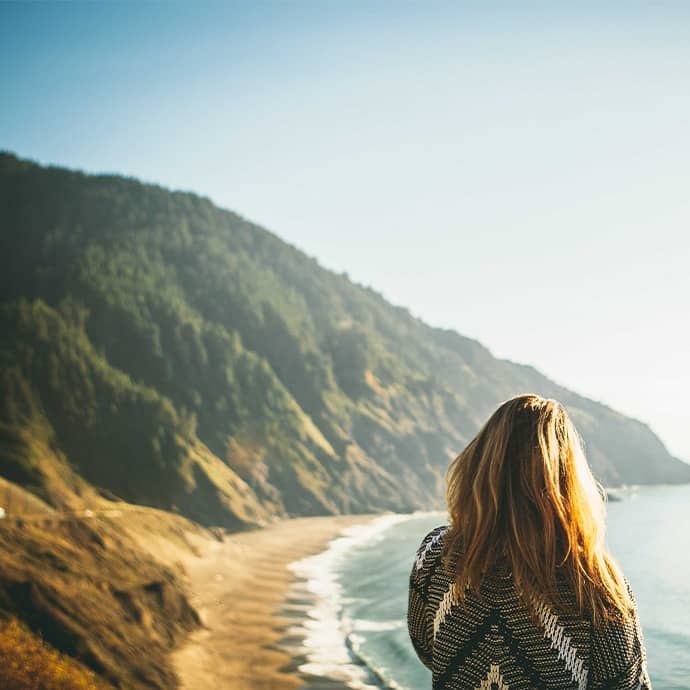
518,591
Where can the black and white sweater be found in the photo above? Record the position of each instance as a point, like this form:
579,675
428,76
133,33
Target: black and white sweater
493,643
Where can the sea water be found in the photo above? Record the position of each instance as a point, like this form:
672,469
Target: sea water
357,632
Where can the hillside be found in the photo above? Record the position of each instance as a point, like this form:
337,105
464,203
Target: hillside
173,354
95,590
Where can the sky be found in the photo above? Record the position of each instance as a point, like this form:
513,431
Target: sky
518,172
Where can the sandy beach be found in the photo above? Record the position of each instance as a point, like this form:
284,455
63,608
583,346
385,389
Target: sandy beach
238,586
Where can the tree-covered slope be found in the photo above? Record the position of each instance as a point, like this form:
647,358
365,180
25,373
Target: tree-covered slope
180,356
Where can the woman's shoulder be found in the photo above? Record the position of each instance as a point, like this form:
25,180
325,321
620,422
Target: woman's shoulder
430,546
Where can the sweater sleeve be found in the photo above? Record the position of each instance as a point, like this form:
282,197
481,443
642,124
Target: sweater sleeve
419,620
619,655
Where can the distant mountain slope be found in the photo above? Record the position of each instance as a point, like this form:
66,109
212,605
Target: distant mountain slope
179,356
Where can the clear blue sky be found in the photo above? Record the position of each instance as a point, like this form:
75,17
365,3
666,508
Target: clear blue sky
518,174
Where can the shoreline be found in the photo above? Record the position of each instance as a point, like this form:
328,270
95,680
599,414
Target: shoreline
325,653
251,606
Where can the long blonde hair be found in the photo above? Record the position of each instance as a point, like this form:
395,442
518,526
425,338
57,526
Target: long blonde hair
522,493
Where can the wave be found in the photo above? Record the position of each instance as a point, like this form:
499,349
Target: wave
330,643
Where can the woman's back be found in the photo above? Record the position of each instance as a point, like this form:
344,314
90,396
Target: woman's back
493,642
518,590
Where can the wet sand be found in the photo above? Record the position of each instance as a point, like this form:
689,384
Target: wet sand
239,586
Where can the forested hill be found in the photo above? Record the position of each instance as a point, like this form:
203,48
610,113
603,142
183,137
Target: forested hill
174,354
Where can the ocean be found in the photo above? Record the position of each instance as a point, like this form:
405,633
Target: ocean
356,633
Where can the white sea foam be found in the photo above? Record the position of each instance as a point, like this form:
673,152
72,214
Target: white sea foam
330,643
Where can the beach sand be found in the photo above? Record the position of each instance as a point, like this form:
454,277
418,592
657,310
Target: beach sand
239,585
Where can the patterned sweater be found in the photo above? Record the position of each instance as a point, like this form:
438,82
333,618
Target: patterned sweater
492,642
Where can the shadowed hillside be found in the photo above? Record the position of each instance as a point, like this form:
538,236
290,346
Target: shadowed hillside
91,588
175,355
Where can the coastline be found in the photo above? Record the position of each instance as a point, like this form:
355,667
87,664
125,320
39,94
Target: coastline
252,607
321,640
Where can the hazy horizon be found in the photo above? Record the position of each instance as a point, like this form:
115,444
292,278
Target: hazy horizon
517,176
